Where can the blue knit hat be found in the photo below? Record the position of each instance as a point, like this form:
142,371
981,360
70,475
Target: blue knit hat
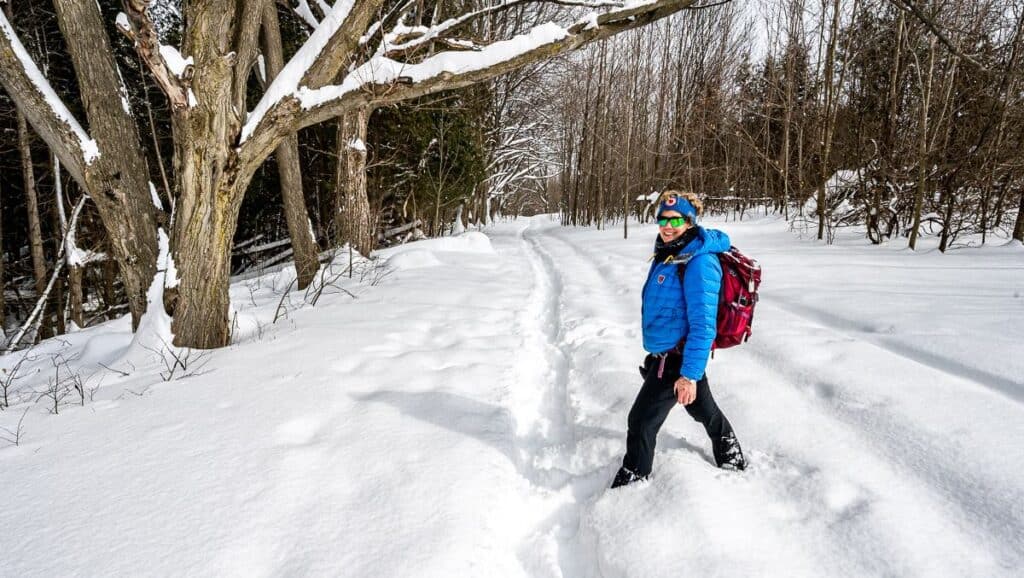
680,205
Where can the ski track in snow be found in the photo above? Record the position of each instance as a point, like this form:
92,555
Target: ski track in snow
971,491
950,501
548,438
467,420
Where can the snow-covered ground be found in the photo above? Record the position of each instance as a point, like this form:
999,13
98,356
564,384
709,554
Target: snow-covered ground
463,415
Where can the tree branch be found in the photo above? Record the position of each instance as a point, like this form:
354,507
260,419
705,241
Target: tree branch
409,41
913,8
32,318
353,17
140,30
247,46
382,81
44,110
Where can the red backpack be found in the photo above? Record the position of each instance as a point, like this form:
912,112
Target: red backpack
741,277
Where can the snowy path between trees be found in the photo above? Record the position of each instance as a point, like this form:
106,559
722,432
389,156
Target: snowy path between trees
464,416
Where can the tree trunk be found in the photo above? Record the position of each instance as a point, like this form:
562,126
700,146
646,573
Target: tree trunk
201,317
353,221
59,226
826,127
75,297
787,118
287,155
118,180
210,184
1018,227
3,285
922,151
35,234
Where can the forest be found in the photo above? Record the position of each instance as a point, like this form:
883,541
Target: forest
178,144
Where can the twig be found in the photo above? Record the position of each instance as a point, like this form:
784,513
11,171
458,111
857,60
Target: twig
277,312
41,302
15,436
107,367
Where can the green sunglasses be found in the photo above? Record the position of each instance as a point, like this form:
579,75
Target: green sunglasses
674,221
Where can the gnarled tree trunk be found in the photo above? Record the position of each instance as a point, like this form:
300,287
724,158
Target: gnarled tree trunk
207,171
118,181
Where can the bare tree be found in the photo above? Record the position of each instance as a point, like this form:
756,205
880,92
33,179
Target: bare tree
217,148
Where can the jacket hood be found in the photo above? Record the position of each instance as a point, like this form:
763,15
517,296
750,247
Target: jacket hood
708,241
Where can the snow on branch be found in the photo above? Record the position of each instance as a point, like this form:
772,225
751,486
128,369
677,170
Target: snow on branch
37,100
290,104
287,82
305,12
403,40
34,318
169,69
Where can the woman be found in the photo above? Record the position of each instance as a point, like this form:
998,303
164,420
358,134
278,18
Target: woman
680,304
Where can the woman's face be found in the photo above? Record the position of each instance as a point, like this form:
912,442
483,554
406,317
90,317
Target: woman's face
667,231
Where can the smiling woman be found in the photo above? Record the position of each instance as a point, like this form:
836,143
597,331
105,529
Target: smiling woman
679,324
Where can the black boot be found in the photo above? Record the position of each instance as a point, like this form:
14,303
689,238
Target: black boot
625,477
728,454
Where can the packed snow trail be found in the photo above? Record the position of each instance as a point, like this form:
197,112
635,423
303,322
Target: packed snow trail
464,415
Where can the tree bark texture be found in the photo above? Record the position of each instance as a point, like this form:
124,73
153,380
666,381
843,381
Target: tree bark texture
75,296
118,181
35,231
3,284
287,155
1018,227
353,220
207,170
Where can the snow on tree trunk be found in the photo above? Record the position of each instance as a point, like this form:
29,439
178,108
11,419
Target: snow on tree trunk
120,176
109,165
218,147
353,220
210,185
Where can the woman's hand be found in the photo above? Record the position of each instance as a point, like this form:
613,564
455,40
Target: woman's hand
686,390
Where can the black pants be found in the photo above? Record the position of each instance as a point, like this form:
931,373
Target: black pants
653,404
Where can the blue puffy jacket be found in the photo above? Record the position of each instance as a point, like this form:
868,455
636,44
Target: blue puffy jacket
671,313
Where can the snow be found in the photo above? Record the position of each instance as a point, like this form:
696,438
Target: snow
288,80
126,105
153,338
357,144
591,21
382,70
304,12
460,410
175,62
90,149
165,262
261,67
155,197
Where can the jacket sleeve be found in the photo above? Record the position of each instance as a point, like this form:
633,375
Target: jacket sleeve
701,284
